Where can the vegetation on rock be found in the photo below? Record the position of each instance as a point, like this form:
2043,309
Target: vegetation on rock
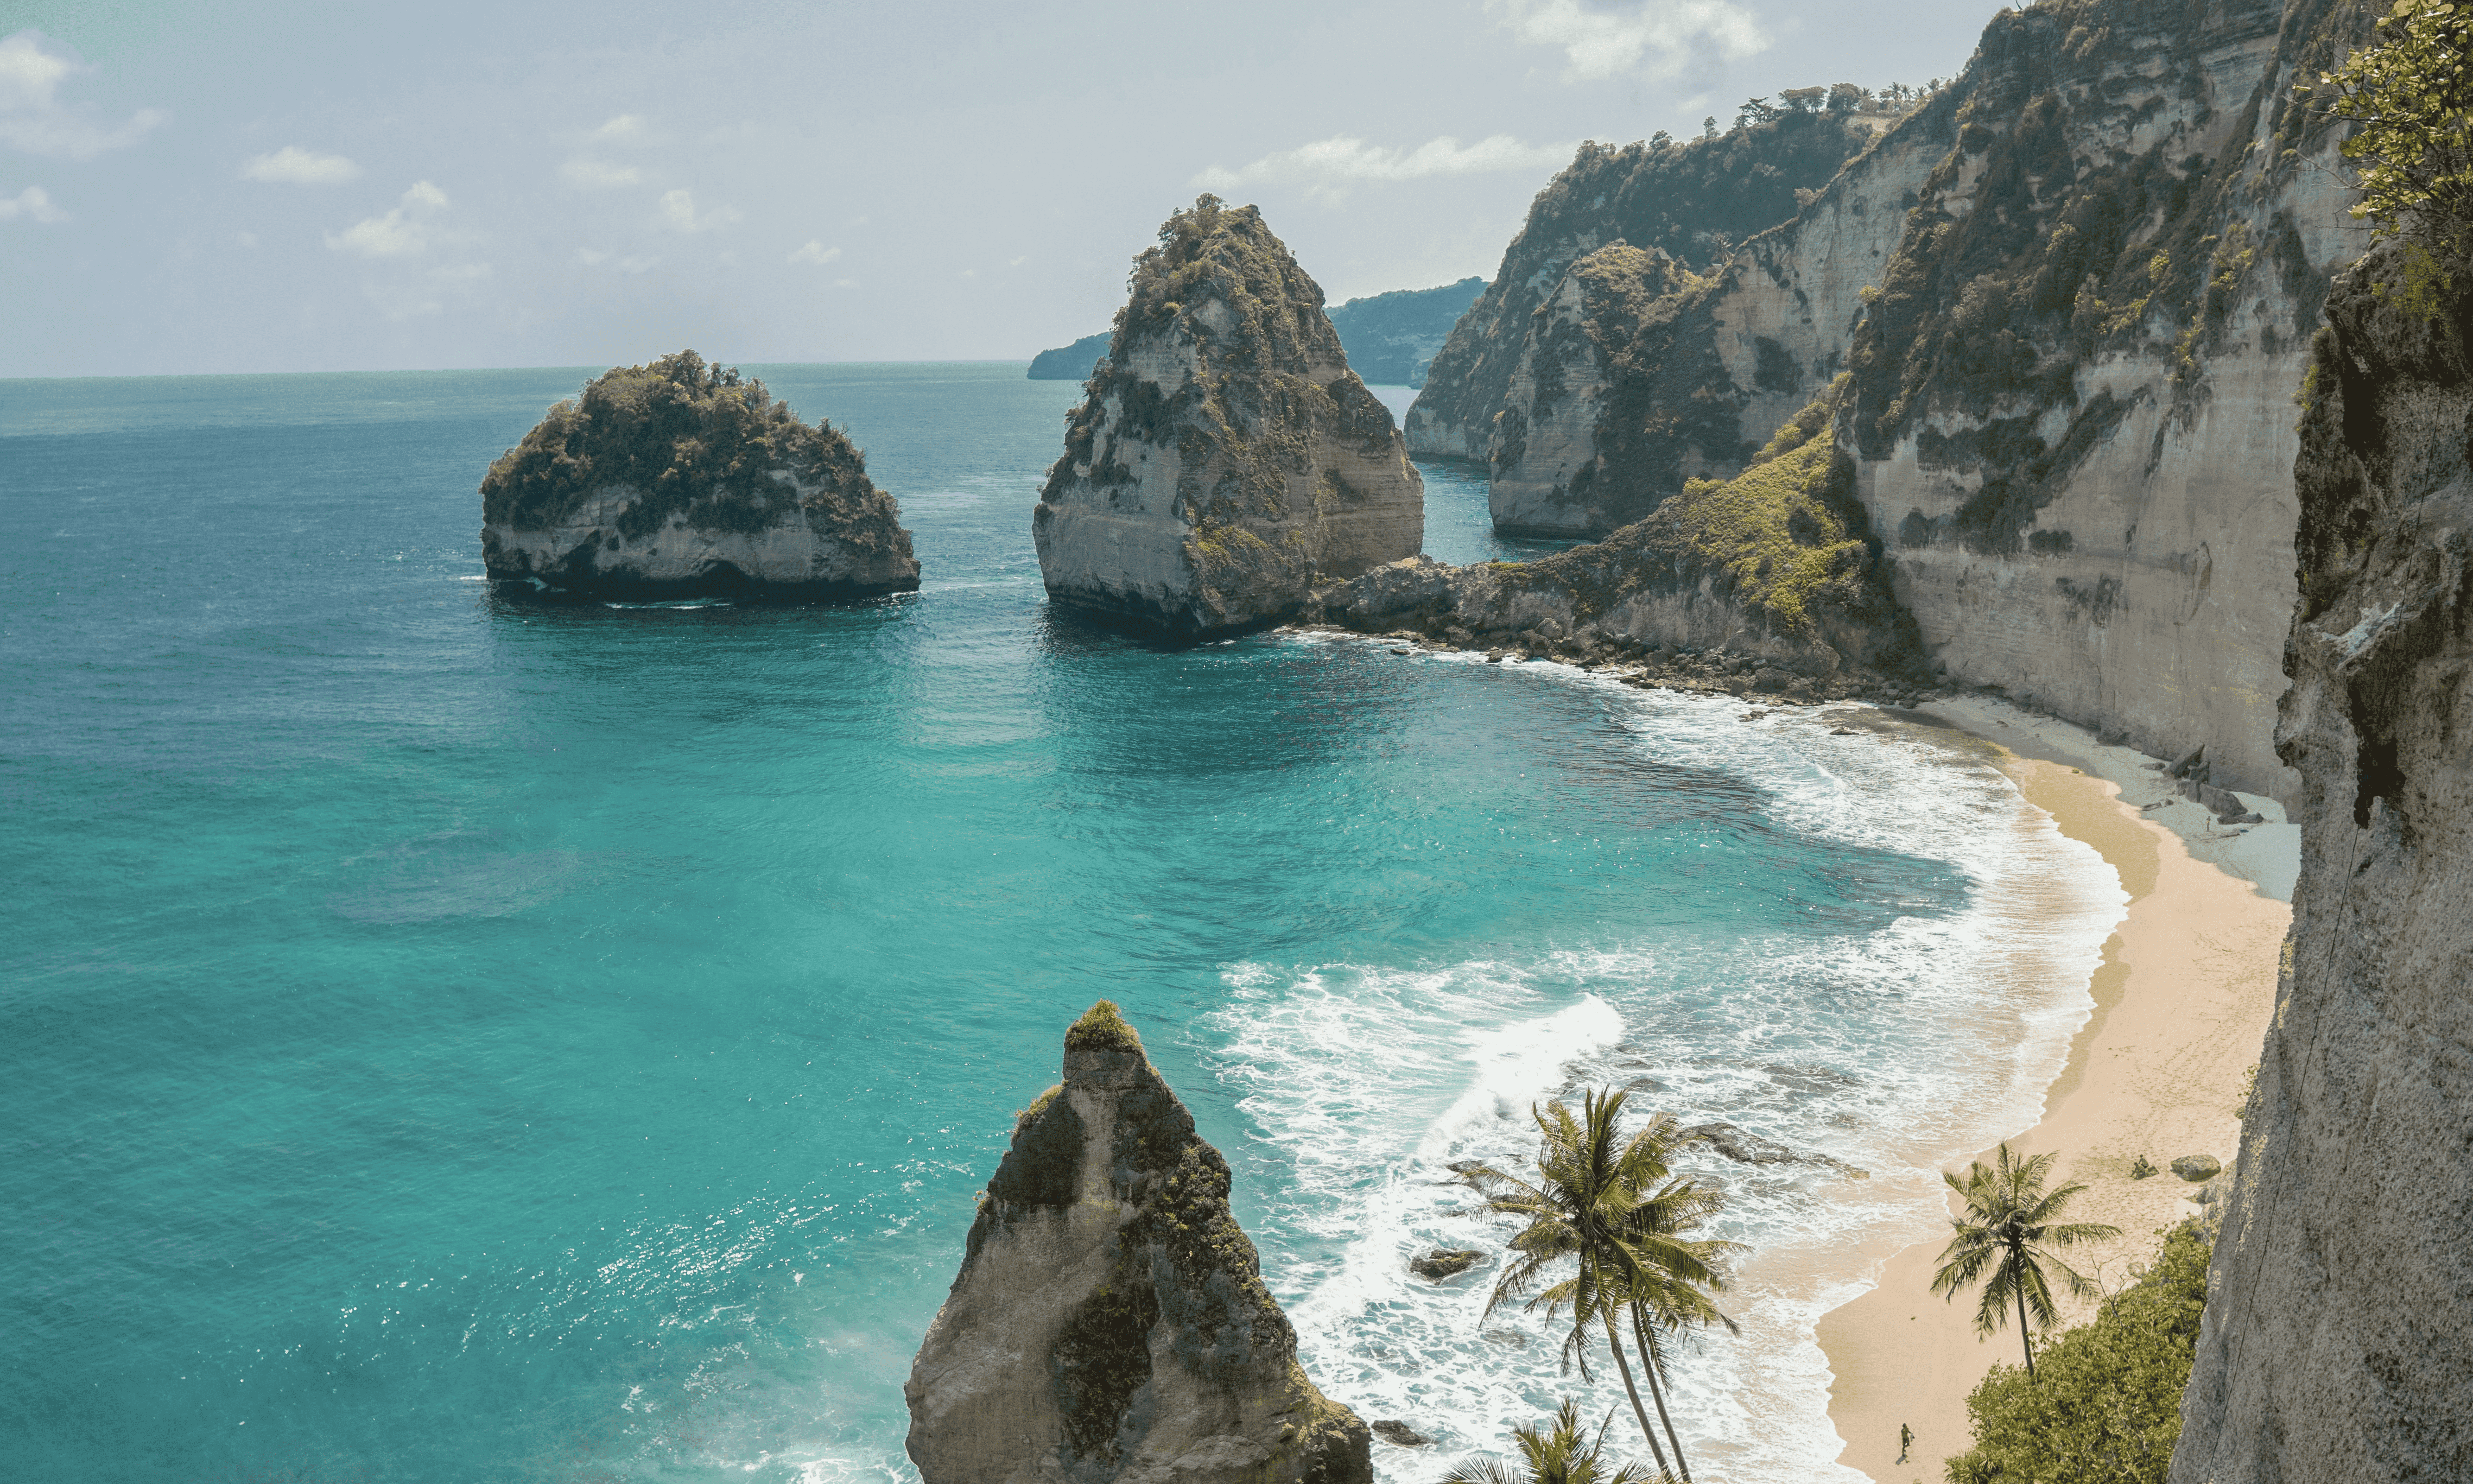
693,440
2411,95
2105,1407
1102,1028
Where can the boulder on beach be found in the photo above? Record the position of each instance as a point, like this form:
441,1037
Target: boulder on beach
2195,1168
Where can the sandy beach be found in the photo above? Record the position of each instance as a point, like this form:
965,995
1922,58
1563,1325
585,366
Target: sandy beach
2182,1001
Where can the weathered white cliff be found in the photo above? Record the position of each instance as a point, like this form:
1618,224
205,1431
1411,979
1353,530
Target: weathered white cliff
1110,1321
2073,398
2335,1343
1634,378
1226,460
679,479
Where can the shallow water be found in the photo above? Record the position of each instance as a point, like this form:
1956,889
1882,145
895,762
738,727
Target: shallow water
445,1041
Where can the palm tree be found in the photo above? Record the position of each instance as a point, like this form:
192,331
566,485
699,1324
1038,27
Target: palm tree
1671,1302
2006,1228
1562,1453
1586,1207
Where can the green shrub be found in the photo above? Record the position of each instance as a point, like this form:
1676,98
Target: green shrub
2411,93
2105,1406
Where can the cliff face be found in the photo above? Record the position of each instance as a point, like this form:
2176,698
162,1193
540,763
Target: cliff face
1690,200
1226,459
1110,1321
1773,569
679,479
2071,398
1682,375
2334,1345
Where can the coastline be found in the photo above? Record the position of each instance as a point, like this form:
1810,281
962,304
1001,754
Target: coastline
2182,1001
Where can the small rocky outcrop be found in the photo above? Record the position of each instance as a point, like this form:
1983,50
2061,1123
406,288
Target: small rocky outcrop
1770,572
1400,1434
1226,460
1110,1320
681,479
1445,1262
2195,1168
2334,1342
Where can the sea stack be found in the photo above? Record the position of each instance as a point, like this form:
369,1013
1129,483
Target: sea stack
680,480
1225,461
1110,1320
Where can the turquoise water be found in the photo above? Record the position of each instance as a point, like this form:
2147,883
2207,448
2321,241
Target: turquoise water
442,1041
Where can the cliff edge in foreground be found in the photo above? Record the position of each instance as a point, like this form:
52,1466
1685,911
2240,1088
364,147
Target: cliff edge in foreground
1226,460
681,479
1110,1320
2335,1340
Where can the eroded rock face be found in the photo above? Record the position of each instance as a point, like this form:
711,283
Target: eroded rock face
1110,1321
681,479
1773,567
2334,1345
1226,460
2071,396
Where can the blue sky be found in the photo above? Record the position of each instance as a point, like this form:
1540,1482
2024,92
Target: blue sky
255,188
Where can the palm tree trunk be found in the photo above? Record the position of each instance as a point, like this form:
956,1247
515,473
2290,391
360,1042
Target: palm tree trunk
2023,1339
1614,1342
1644,1336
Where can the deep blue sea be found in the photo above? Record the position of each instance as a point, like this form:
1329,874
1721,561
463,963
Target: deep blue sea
442,1041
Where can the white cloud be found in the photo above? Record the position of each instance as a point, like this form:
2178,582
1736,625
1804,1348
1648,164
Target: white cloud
33,203
33,119
815,252
679,209
1656,38
406,232
293,165
594,174
845,284
594,257
1327,167
626,126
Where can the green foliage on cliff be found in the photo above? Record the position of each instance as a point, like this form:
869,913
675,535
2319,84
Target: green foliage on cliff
2411,93
1102,1028
1786,539
1693,200
2105,1406
2031,255
690,438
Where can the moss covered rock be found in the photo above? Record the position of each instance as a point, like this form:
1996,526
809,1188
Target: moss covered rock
1226,460
681,479
1110,1320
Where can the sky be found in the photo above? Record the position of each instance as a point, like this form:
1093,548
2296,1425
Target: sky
189,189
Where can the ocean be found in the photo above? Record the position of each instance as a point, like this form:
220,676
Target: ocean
449,1041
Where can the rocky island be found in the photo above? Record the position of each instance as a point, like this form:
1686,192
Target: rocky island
1110,1320
1226,460
681,480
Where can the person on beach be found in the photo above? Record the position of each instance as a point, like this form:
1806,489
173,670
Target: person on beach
1906,1441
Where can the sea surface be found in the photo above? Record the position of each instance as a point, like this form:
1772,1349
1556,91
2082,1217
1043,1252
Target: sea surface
447,1041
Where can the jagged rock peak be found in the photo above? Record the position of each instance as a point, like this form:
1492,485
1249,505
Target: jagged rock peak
683,479
1225,459
1110,1320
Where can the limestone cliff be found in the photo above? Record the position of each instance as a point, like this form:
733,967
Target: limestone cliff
1624,390
2334,1342
1771,573
681,479
2071,398
1110,1320
1226,459
1693,201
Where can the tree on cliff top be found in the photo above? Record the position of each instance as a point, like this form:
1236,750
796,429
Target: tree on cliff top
2008,1232
2412,92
